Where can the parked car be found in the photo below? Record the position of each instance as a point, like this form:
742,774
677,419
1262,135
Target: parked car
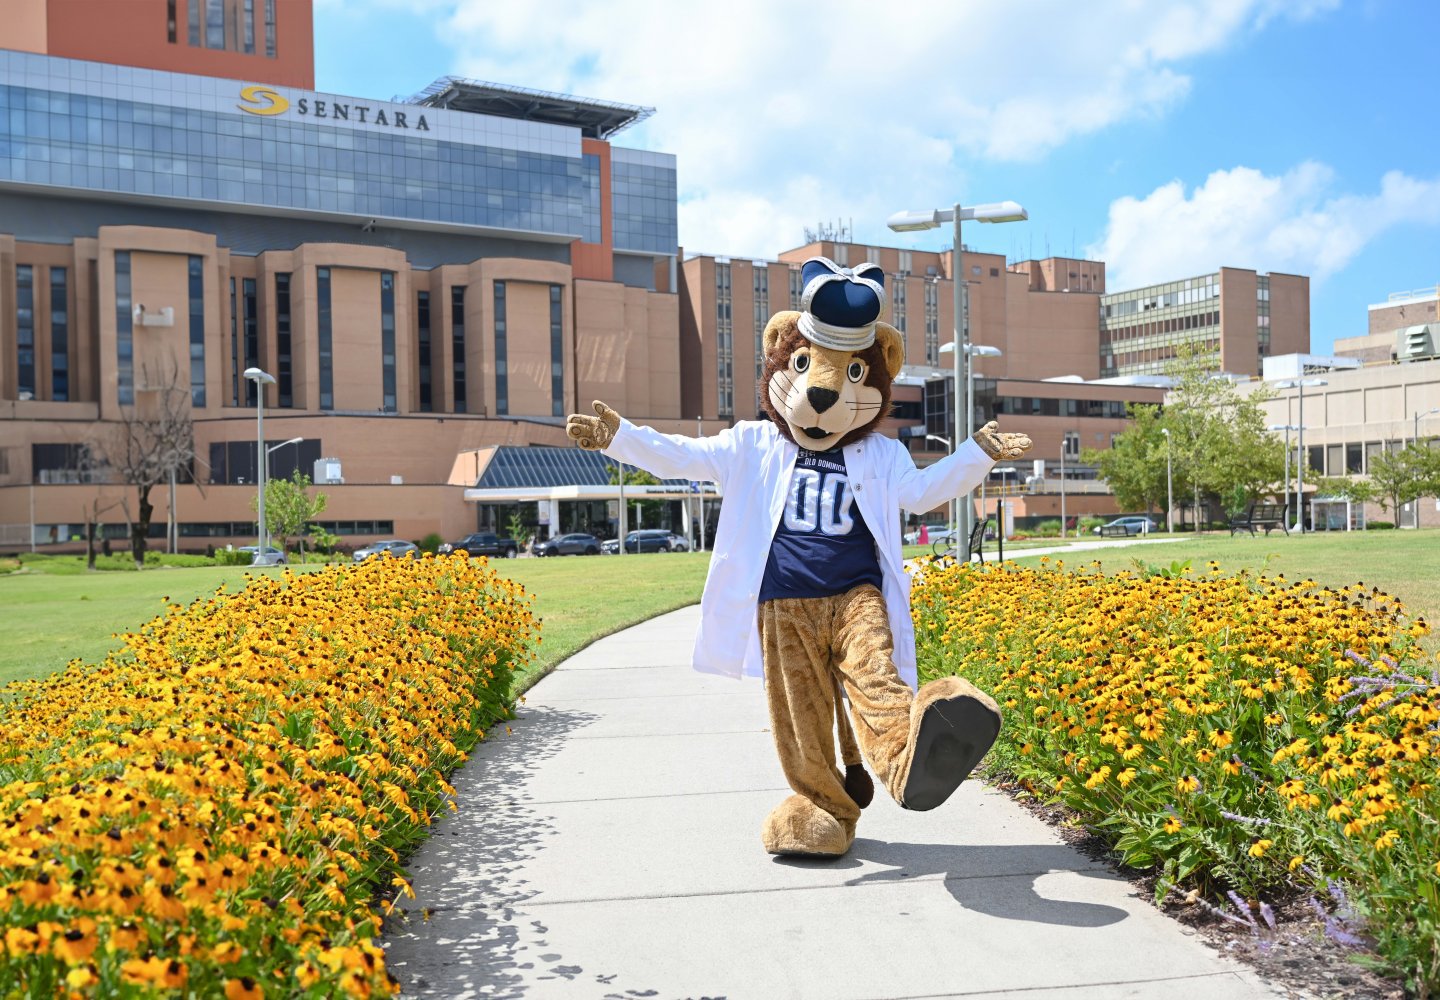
483,543
272,556
389,547
610,547
655,540
576,544
1135,525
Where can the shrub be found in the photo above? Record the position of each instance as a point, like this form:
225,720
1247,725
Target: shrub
430,543
218,805
1229,732
1379,525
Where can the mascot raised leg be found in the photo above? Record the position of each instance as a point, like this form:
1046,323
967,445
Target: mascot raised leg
806,585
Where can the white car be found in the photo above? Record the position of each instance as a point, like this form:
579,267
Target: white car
1134,525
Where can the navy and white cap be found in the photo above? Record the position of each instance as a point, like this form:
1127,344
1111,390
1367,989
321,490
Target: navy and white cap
839,305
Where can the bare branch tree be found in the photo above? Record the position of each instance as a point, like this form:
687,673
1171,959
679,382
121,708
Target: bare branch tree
91,467
155,437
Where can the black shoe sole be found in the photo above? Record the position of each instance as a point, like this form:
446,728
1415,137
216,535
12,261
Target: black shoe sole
954,735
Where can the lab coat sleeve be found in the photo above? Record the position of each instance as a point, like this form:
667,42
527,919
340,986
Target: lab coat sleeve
921,490
674,456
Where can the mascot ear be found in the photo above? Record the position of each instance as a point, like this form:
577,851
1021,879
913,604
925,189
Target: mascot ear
779,327
893,345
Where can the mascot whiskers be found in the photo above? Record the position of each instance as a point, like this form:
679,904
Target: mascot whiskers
806,585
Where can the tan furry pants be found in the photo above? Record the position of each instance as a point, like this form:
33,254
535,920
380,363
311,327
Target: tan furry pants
808,643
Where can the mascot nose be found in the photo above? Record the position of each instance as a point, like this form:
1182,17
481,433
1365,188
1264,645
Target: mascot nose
821,399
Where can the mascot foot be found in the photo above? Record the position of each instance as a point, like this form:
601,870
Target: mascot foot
952,725
798,827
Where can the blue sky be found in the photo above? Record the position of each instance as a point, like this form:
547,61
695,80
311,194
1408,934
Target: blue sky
1166,138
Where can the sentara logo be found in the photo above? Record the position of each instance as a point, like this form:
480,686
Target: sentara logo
262,101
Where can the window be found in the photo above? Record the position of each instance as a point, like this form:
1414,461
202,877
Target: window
797,288
170,23
557,352
248,35
724,344
197,330
214,24
1335,459
249,335
59,334
324,335
842,254
270,29
897,303
932,323
906,261
422,315
284,370
193,23
1353,459
25,329
124,332
760,278
502,352
457,346
387,341
1071,445
235,365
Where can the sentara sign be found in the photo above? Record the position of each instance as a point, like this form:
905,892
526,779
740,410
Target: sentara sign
257,99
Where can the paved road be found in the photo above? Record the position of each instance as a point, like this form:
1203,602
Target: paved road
610,848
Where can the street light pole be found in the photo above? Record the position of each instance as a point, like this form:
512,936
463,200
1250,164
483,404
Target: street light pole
700,432
1418,415
909,222
1287,428
1300,384
954,501
1169,485
1062,486
1000,514
261,380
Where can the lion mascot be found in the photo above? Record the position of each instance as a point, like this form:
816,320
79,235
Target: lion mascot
806,585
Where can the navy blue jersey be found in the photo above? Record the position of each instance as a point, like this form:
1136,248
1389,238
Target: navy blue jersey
823,546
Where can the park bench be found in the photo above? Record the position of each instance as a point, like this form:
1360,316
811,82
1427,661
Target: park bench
1260,515
977,539
1114,531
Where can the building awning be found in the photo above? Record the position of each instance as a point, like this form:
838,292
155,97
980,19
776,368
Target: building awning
537,472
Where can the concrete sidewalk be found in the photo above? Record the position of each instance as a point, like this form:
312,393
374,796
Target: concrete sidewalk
610,847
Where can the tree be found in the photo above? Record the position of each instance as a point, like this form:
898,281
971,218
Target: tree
1222,448
154,441
90,468
289,509
1402,476
650,510
1134,466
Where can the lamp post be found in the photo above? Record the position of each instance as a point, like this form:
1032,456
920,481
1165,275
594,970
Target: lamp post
1000,514
261,379
1287,428
700,432
1418,415
913,222
954,502
273,449
1170,485
1062,486
1300,384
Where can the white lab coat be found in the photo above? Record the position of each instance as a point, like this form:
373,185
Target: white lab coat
752,463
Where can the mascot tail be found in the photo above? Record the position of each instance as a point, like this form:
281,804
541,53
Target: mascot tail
857,781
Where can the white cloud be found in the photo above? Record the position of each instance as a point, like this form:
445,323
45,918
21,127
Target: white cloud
1293,223
779,112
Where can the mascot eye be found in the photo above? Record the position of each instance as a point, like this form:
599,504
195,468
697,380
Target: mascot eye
856,371
800,362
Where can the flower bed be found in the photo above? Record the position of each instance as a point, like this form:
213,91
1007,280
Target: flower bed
1233,733
216,808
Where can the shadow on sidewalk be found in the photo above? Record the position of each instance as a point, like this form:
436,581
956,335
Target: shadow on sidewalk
461,933
984,878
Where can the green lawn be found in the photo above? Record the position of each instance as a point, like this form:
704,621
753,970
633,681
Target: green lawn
48,618
1405,564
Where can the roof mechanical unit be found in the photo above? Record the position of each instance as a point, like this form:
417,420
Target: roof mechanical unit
595,119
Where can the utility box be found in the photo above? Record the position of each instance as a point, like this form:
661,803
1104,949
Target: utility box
327,470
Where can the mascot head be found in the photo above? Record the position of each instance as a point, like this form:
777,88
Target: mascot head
829,367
